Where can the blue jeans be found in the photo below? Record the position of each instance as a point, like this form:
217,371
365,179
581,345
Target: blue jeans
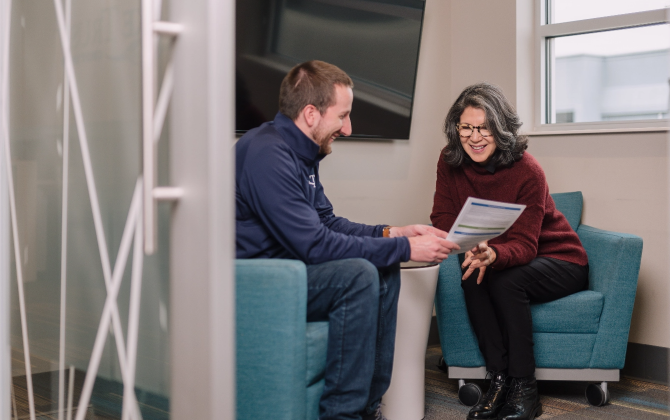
361,304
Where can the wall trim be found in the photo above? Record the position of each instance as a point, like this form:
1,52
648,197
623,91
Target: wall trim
647,363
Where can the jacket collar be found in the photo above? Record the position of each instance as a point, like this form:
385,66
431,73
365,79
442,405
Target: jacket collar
302,145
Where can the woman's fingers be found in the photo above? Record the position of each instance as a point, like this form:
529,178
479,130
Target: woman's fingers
467,273
482,258
468,259
467,262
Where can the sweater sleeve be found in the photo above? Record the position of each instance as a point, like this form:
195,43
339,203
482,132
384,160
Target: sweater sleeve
445,208
274,194
518,246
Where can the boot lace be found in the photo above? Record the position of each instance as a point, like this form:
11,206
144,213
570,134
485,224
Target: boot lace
515,394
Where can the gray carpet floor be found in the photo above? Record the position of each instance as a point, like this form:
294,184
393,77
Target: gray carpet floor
561,400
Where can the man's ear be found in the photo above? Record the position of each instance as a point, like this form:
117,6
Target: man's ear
311,115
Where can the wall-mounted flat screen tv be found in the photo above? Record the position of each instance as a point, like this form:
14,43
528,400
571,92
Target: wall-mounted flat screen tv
375,41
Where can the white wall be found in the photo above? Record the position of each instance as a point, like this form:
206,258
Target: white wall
624,177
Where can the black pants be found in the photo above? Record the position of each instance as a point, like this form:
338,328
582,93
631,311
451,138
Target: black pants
499,308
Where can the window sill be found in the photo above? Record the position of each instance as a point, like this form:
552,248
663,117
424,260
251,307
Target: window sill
596,131
658,126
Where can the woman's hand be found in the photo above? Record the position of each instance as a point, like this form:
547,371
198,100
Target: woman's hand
480,257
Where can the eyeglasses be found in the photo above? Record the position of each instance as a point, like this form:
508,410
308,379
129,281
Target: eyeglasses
466,130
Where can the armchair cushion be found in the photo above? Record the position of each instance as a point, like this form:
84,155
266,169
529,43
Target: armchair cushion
563,351
578,313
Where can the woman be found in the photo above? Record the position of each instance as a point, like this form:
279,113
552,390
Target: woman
539,259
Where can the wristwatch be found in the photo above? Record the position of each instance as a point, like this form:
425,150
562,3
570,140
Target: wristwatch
386,233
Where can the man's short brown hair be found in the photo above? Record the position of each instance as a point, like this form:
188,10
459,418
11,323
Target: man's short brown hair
311,83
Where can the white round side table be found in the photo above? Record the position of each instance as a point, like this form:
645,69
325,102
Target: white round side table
405,398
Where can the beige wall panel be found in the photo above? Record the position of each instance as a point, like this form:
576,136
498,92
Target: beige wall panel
483,47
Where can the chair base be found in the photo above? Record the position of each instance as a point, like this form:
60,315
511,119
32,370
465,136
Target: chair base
469,394
544,374
597,395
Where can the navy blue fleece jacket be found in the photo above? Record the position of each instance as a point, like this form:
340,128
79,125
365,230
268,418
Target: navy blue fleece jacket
282,210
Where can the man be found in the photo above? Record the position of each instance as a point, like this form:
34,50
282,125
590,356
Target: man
353,270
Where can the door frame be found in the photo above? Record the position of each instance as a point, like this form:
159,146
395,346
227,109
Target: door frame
202,227
5,230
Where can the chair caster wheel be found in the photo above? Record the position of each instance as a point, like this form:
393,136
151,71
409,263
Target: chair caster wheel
442,365
597,395
469,394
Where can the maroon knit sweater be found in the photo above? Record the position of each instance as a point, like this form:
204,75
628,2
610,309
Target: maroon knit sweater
540,231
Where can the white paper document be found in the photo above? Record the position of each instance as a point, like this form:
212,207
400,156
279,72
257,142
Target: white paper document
482,220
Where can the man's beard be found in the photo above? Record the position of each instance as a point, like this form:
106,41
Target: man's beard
325,147
323,140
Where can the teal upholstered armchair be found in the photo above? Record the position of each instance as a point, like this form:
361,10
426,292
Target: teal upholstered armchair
281,358
580,337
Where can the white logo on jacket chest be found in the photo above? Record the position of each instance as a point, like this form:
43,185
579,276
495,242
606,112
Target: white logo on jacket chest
312,180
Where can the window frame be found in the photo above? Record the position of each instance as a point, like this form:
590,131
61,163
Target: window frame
545,31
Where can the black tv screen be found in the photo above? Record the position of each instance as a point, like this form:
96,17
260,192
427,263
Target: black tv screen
375,41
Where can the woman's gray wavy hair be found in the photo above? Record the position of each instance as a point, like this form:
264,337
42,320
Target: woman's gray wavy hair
501,120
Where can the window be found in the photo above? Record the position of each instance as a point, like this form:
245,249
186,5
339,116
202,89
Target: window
604,63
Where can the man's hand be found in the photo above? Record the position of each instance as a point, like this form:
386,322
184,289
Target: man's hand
429,248
416,230
480,257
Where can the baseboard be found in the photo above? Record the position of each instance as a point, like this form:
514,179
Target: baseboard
644,362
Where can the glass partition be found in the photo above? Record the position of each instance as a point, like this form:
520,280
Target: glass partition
89,313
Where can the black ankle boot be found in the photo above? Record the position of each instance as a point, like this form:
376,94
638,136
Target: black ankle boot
523,400
493,401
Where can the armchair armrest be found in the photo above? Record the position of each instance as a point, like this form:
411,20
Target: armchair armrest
614,262
271,308
459,344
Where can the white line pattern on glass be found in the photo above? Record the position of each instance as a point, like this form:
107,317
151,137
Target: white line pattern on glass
133,319
110,305
64,209
70,393
90,183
